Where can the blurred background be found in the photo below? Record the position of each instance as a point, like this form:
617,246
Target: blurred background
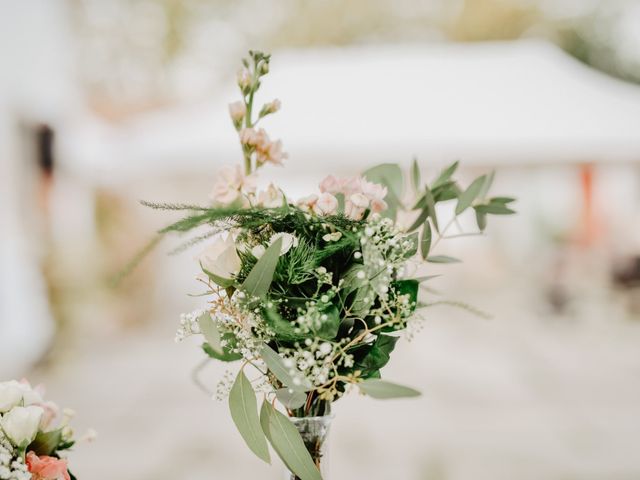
107,102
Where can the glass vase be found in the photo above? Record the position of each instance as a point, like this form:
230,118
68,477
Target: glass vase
315,435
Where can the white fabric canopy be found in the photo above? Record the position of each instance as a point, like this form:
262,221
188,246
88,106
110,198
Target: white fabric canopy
524,102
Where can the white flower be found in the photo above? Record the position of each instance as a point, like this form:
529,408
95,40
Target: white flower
272,197
13,393
327,204
21,424
221,258
10,395
237,111
230,184
288,241
258,251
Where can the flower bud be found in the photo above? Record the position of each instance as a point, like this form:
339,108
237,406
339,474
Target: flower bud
10,395
244,78
237,111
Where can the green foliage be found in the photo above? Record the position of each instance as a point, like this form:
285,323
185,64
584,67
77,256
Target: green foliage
257,283
244,412
210,332
289,376
46,443
376,355
287,442
227,354
384,390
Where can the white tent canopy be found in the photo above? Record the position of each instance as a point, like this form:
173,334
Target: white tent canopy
524,102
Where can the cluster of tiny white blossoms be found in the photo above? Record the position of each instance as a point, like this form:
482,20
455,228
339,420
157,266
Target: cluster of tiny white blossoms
11,467
189,325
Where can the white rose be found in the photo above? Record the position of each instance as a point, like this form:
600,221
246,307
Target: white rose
288,241
21,424
221,258
10,395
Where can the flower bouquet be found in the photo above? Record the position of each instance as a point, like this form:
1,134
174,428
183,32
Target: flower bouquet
34,435
309,296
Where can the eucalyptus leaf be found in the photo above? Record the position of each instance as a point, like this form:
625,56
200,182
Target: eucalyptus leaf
244,412
415,174
290,398
218,280
494,209
289,376
442,259
413,238
425,240
227,355
260,277
502,200
431,207
388,174
424,214
486,185
445,175
287,442
467,197
210,331
382,389
481,220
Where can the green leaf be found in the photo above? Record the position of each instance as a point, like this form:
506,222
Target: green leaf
407,287
481,220
290,377
363,300
210,331
486,185
502,200
382,390
287,442
442,259
350,279
424,214
259,279
223,282
431,207
415,174
46,443
388,174
413,238
227,355
378,355
469,195
244,412
494,209
329,326
425,240
283,328
445,175
290,398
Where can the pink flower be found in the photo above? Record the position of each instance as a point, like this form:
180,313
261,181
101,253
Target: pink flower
331,184
231,184
47,468
272,197
327,204
356,205
237,111
307,203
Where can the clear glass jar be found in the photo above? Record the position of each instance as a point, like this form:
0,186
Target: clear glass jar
315,434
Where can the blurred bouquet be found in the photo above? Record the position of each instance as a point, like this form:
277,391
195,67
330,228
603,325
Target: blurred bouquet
309,295
34,434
